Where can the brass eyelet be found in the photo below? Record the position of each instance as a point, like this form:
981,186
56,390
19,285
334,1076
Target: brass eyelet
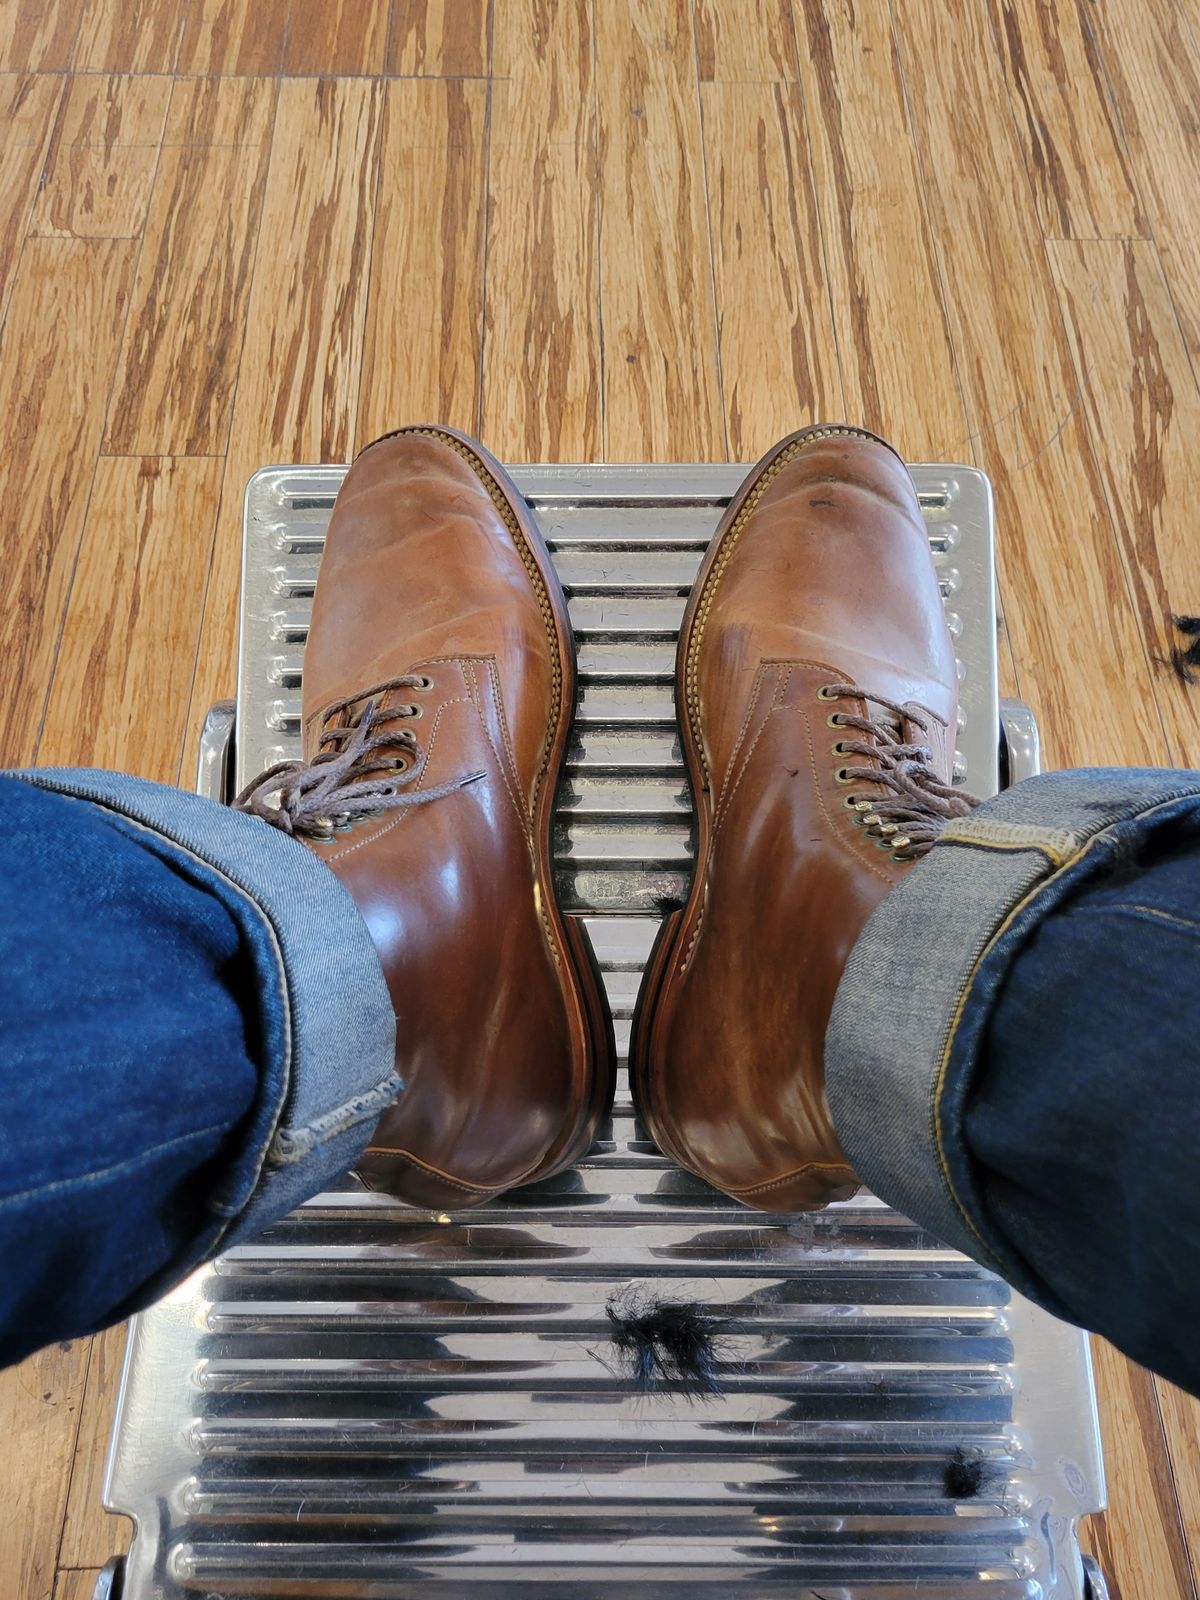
839,749
851,804
842,776
414,713
823,693
835,720
424,682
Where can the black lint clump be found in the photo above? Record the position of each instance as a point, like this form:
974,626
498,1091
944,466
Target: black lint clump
967,1474
672,1344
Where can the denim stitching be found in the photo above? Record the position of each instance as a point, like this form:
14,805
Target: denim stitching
290,1144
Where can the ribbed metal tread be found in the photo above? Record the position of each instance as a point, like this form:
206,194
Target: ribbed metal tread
372,1401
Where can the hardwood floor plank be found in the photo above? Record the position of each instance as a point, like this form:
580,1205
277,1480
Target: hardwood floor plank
1153,61
130,35
300,368
124,672
1066,122
28,112
1072,621
297,392
662,396
1138,1541
897,366
745,41
439,38
103,158
90,1534
234,36
37,35
53,391
541,378
422,349
1144,410
76,1585
183,341
344,37
39,1419
1181,1424
778,352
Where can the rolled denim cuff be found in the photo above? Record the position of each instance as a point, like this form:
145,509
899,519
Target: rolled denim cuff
332,1070
911,1014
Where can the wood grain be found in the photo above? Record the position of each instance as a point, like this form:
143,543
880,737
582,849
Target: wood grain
183,342
1143,408
750,43
336,36
90,1534
39,1419
1152,58
661,384
76,1585
1138,1540
1065,119
893,337
422,351
439,38
1181,1424
28,111
298,387
542,382
778,353
1070,613
300,367
232,36
53,390
129,35
102,162
124,673
37,35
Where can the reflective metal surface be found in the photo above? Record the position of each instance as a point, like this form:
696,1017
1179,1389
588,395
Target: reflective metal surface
1020,744
214,767
375,1401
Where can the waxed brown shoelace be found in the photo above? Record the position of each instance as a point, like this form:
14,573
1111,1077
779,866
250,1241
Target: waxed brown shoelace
351,776
915,804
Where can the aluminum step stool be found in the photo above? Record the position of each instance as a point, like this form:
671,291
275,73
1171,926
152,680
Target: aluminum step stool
376,1401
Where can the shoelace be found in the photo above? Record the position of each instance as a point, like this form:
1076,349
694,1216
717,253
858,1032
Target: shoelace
342,782
915,805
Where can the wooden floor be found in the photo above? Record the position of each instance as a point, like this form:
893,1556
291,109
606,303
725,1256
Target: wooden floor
586,229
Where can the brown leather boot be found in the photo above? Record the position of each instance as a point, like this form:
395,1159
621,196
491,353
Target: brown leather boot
439,685
815,688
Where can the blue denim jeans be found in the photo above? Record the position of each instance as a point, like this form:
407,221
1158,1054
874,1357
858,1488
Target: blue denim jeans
197,1035
1012,1054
